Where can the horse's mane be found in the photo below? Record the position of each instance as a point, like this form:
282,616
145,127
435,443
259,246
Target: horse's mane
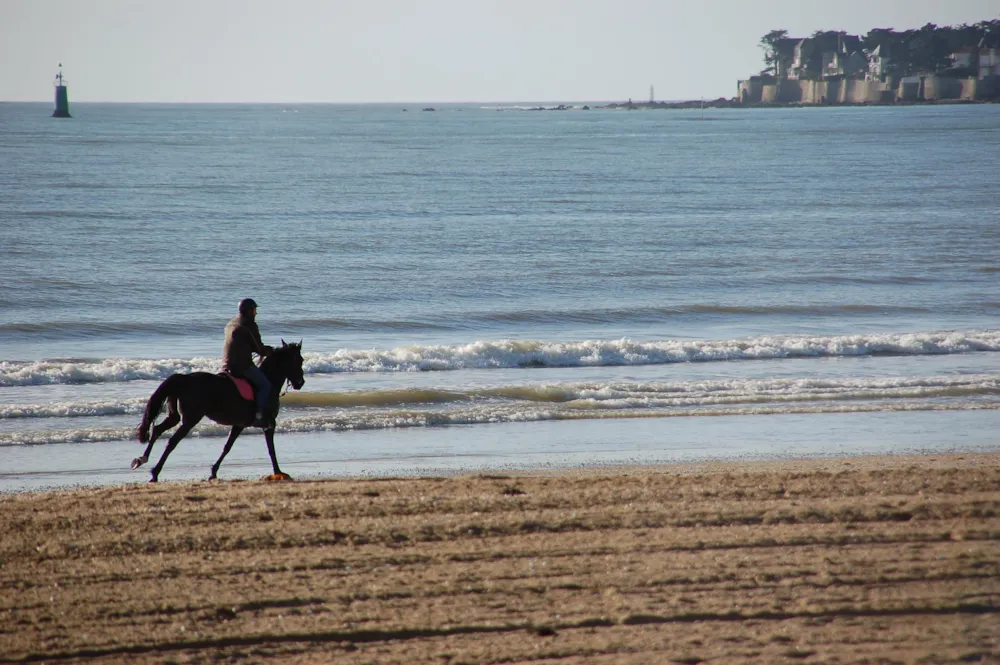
287,348
279,352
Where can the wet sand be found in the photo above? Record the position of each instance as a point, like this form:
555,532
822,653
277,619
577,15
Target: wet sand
860,560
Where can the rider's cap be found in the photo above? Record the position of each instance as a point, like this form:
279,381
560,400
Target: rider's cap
246,305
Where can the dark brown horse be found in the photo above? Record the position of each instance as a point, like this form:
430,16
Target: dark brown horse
191,397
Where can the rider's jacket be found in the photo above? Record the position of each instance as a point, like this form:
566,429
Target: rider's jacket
242,340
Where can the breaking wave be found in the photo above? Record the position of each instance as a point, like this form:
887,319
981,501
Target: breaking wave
402,418
522,354
424,407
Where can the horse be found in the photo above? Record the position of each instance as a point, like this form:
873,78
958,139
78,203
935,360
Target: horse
191,397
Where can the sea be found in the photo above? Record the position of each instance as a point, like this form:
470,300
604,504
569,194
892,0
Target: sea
489,288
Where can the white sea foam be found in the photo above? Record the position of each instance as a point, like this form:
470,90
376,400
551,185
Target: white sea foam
73,409
524,353
379,409
110,370
592,395
402,418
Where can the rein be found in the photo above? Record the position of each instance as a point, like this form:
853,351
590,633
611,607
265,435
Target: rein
285,381
283,389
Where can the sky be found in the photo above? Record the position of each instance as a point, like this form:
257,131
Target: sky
358,51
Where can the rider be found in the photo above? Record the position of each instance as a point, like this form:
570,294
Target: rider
243,340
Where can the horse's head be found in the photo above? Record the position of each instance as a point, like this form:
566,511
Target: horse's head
288,361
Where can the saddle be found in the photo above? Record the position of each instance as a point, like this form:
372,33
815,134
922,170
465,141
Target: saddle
247,392
242,385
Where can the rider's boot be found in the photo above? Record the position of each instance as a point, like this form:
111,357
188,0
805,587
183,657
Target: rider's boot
262,419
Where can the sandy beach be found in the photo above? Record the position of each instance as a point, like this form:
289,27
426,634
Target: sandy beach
858,560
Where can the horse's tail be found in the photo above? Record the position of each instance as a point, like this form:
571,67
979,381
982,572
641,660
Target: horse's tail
167,389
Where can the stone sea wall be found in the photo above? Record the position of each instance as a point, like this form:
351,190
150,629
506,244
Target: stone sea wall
758,90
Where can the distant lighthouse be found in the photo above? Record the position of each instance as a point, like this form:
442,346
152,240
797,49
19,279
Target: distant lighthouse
62,98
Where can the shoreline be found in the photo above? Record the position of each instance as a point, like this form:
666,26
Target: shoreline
851,559
723,103
584,446
519,448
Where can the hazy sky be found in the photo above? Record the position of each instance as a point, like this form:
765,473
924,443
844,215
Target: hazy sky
417,50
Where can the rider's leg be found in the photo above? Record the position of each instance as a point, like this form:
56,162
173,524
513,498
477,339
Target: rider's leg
263,386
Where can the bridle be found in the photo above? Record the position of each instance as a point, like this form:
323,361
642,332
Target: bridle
285,384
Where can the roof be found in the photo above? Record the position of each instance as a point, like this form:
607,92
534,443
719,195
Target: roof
850,44
786,45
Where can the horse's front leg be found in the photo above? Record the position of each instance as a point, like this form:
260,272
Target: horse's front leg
233,433
278,473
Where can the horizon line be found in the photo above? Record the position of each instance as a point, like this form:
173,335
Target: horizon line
425,102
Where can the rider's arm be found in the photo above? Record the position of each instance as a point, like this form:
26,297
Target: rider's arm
259,347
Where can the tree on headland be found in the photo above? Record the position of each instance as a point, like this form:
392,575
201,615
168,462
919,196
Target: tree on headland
990,31
769,43
926,50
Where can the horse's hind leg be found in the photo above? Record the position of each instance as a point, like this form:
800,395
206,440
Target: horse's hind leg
233,433
173,417
181,432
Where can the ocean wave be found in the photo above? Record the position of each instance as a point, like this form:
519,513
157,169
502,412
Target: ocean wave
328,324
524,354
73,409
580,396
657,314
408,418
672,394
58,329
109,370
97,329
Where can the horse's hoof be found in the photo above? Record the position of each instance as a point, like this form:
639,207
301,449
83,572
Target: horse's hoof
137,462
277,477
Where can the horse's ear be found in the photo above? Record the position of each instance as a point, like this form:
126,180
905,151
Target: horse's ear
300,342
283,342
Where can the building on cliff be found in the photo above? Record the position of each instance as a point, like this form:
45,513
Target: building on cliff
837,68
